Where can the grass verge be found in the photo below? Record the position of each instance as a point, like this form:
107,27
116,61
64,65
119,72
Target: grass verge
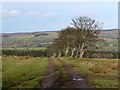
100,73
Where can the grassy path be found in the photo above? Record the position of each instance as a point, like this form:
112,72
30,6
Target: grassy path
62,75
74,79
22,72
55,76
51,76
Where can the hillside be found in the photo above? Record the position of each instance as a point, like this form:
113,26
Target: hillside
44,39
112,38
26,40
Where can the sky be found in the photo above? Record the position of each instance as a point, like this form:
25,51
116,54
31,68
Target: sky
52,16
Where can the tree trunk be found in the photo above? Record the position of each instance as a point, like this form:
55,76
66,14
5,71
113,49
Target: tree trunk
81,54
54,54
76,55
82,50
67,50
73,50
59,54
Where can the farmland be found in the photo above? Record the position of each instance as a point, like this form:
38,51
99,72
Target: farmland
59,45
28,40
44,39
26,63
21,72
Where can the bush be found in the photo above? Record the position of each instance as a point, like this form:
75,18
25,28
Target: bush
44,53
24,52
102,54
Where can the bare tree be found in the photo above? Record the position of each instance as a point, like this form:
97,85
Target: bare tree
67,37
88,31
79,38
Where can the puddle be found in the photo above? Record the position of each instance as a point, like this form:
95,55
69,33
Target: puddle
78,79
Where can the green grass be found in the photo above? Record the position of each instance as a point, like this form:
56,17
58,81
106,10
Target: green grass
100,73
23,73
60,70
105,83
28,73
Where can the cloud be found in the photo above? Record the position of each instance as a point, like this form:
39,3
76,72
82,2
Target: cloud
49,14
32,13
4,12
14,12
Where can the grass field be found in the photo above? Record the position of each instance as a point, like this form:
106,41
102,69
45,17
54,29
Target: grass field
27,73
100,73
23,73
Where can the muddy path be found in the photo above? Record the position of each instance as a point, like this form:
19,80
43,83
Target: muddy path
54,81
74,79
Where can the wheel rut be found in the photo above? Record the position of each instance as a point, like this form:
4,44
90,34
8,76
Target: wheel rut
53,81
74,79
51,76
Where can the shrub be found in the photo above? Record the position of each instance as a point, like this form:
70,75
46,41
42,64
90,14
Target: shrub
24,52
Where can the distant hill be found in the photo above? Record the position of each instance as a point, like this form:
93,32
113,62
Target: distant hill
26,40
45,38
111,33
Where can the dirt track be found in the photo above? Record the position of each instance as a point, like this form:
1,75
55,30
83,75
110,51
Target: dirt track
51,76
52,80
75,80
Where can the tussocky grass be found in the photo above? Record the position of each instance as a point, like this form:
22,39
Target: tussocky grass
99,73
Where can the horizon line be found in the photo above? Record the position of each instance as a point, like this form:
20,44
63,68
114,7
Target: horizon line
47,31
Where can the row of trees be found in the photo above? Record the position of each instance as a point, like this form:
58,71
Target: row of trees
44,53
75,40
24,52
